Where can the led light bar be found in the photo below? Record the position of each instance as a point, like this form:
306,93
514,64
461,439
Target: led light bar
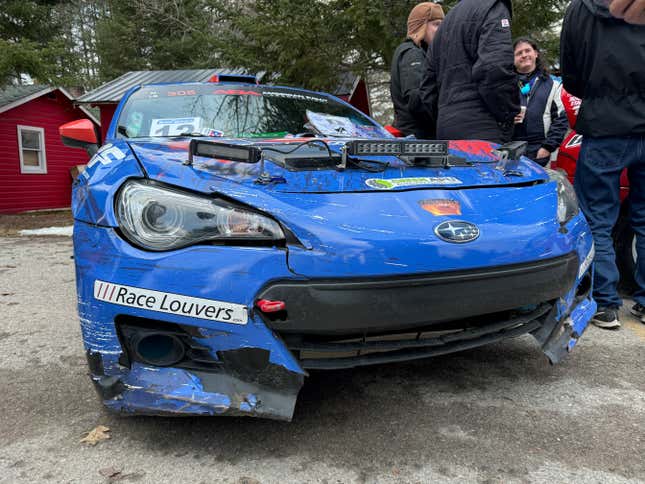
223,151
397,148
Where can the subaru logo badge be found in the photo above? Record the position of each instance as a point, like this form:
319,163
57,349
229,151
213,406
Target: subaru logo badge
457,232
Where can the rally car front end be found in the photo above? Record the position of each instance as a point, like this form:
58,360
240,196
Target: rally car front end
214,274
204,303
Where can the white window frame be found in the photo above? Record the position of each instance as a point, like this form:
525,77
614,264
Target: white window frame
41,169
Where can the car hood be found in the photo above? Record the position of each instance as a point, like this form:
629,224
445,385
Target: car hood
163,161
347,228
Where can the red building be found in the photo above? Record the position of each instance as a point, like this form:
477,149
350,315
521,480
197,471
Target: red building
34,163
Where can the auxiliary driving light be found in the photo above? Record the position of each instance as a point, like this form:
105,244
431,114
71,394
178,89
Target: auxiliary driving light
223,151
397,148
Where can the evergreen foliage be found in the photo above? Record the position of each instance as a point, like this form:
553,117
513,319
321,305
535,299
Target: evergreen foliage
82,43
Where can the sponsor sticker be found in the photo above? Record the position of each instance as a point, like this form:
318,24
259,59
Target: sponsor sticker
106,155
167,302
330,125
441,207
587,262
381,184
293,95
174,126
576,140
236,92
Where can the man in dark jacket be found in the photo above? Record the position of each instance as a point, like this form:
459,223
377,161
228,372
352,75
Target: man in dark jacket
407,68
469,83
603,63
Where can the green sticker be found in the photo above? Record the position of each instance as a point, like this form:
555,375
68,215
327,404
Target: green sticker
381,184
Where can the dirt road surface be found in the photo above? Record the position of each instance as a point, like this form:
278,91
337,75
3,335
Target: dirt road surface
496,414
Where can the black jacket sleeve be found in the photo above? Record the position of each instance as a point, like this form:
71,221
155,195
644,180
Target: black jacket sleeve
429,89
559,124
570,55
410,72
493,71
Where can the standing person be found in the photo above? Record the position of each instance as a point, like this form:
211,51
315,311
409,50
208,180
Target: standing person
469,83
407,64
603,63
544,124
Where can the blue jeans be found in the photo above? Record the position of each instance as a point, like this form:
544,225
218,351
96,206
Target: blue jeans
597,184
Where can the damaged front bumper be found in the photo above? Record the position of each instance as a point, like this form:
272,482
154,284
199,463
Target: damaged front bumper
255,364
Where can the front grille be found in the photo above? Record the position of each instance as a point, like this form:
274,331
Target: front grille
348,307
317,353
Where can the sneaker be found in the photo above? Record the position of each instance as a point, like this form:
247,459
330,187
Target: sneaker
606,318
638,310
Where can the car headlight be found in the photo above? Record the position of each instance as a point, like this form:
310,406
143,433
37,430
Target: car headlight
161,218
567,200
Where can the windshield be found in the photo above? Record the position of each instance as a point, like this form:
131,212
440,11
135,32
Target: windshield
238,111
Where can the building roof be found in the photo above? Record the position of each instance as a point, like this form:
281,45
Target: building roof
14,96
112,91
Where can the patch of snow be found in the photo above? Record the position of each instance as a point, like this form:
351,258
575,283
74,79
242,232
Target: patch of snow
64,231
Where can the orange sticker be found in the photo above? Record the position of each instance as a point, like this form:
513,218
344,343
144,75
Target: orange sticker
440,207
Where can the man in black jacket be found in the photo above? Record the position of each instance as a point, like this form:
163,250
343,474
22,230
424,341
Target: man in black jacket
469,83
407,68
603,63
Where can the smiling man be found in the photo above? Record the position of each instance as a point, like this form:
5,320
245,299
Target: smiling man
544,122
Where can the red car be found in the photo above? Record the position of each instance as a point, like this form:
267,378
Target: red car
624,238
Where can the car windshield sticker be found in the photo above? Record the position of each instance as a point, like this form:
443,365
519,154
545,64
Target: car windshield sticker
380,184
166,302
369,131
215,133
330,125
293,95
235,92
174,126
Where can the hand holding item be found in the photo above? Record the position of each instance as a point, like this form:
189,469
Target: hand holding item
631,11
520,117
542,153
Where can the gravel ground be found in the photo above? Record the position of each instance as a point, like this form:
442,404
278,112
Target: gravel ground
496,414
12,224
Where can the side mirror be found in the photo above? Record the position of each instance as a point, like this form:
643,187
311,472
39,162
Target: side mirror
81,133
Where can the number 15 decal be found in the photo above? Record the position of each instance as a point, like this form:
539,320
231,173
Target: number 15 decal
174,126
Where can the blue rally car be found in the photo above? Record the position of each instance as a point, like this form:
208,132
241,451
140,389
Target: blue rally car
230,237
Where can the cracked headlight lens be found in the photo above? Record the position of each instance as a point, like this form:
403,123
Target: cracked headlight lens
567,200
160,218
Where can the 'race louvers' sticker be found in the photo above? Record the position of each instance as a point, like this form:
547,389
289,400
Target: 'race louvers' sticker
166,302
381,184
